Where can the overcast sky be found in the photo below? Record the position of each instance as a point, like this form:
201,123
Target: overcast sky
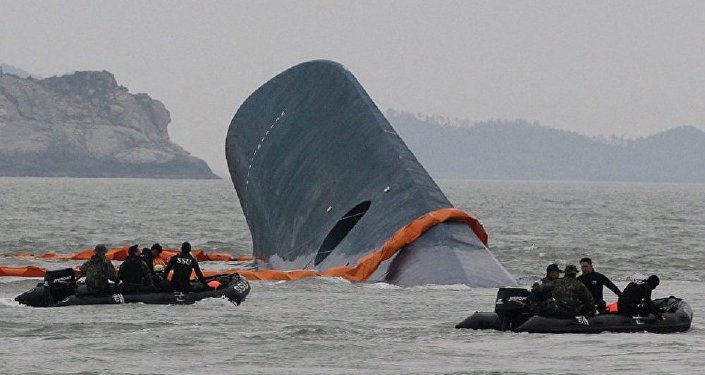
595,67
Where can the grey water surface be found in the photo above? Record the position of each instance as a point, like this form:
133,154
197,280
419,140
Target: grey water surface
331,326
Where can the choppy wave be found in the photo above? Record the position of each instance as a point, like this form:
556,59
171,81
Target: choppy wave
328,325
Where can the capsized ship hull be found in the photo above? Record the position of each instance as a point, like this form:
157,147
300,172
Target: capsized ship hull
323,179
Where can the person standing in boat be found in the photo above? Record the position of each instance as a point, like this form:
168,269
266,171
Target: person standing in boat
636,298
595,281
134,273
98,270
568,296
182,264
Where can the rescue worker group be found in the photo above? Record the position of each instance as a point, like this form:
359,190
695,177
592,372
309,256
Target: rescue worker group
574,295
571,295
140,272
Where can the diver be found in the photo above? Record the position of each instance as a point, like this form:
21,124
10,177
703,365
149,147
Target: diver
567,296
636,299
182,264
134,273
98,270
595,281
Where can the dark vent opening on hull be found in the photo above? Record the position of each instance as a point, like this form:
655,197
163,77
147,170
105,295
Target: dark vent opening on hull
340,230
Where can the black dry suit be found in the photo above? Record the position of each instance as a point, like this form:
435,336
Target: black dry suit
636,299
182,264
595,281
135,274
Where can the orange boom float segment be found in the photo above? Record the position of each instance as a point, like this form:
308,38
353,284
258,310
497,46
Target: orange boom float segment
364,268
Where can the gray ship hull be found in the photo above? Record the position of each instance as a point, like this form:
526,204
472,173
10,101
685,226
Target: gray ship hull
323,179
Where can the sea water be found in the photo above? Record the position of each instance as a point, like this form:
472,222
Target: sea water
331,326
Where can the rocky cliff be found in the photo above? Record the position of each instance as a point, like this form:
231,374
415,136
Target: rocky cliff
86,125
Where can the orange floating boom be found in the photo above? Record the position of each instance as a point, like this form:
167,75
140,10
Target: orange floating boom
364,268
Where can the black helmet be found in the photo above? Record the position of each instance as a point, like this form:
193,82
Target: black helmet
653,280
185,247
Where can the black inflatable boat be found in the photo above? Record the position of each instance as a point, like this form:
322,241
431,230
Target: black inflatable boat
59,288
511,314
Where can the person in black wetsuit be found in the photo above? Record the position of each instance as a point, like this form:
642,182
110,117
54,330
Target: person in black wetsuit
636,298
182,264
134,273
595,281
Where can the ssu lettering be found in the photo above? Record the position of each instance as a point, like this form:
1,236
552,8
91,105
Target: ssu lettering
183,261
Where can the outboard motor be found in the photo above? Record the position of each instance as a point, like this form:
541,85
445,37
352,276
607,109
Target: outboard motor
511,307
61,283
56,286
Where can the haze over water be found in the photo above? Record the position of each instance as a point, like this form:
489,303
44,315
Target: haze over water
330,326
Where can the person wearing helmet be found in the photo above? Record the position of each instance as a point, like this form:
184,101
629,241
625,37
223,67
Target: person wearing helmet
159,271
182,264
636,298
160,281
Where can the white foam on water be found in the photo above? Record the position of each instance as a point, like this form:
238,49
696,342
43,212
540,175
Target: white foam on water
215,302
442,287
9,302
13,279
381,285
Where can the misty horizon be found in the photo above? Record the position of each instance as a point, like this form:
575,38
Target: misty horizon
630,68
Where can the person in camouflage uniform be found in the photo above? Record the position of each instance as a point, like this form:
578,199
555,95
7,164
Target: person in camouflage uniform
536,300
567,296
98,270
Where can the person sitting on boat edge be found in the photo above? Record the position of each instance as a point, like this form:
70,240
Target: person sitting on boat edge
568,296
182,264
595,281
536,300
98,270
134,273
636,298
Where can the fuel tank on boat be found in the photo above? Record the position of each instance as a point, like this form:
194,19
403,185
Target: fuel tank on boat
323,179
